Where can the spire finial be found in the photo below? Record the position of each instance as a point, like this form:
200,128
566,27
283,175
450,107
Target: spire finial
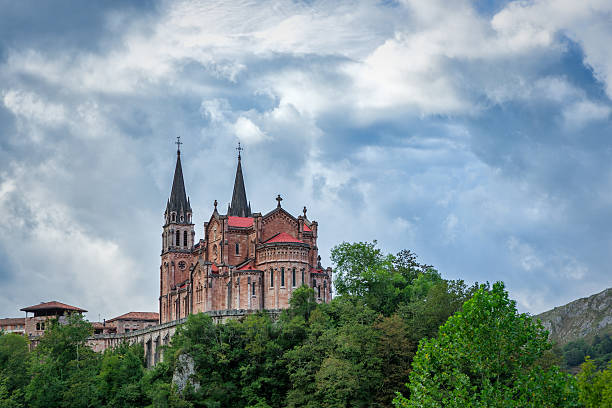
304,211
178,144
279,199
215,205
239,149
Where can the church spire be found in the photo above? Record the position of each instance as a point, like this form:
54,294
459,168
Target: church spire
178,202
239,206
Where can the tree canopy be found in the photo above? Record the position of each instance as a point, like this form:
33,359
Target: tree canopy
486,355
393,321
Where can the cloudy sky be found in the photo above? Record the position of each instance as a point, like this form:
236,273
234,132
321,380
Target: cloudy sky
477,134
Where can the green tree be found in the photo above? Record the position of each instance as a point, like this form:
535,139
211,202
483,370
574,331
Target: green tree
595,386
383,281
121,371
486,356
13,369
63,368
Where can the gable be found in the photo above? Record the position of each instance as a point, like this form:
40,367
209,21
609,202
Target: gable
278,221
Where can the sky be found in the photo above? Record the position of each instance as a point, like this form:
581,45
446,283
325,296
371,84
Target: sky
475,133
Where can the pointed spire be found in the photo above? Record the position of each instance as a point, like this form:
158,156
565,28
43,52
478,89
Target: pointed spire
239,206
178,201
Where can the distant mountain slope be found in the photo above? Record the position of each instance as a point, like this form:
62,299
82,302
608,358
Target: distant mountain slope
582,318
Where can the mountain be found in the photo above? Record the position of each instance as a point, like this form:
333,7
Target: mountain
581,319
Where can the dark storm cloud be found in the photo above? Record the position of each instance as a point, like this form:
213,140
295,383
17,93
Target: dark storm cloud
65,25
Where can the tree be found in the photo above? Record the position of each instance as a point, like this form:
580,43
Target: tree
595,387
486,356
13,369
364,272
63,368
121,370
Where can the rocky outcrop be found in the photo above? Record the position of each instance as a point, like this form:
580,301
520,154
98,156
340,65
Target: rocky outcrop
184,373
582,318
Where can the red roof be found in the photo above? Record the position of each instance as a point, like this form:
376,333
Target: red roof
52,305
282,237
241,222
247,267
148,316
214,268
307,228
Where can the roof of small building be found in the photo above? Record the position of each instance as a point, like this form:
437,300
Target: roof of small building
282,237
9,321
241,222
247,267
148,316
52,305
307,228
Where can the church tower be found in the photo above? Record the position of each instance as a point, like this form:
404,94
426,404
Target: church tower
239,206
177,243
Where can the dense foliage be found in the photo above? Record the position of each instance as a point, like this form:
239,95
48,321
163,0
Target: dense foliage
599,350
381,331
487,355
595,386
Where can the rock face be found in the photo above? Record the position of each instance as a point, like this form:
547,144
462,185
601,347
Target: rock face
582,318
184,373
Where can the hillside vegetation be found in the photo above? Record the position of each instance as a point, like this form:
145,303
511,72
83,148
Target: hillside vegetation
582,329
396,333
581,319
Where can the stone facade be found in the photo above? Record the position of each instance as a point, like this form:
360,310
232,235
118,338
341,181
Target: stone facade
245,261
13,325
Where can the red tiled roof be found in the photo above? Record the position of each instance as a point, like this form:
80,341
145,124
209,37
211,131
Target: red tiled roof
242,222
149,316
247,267
52,305
10,321
307,228
282,237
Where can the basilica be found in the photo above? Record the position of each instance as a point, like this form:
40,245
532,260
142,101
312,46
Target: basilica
245,261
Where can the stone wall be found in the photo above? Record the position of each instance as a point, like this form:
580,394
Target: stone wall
153,338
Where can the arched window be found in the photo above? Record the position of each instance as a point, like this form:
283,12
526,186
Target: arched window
185,238
319,291
282,277
293,278
178,238
215,252
237,248
173,217
253,287
324,288
271,277
302,276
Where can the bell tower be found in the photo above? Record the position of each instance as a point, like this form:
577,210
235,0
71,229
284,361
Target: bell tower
177,243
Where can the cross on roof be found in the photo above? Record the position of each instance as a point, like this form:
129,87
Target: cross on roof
239,149
279,199
178,143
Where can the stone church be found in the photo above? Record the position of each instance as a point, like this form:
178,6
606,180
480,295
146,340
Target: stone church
245,261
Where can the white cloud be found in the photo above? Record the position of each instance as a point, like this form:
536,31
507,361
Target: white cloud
31,107
248,132
580,113
524,255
